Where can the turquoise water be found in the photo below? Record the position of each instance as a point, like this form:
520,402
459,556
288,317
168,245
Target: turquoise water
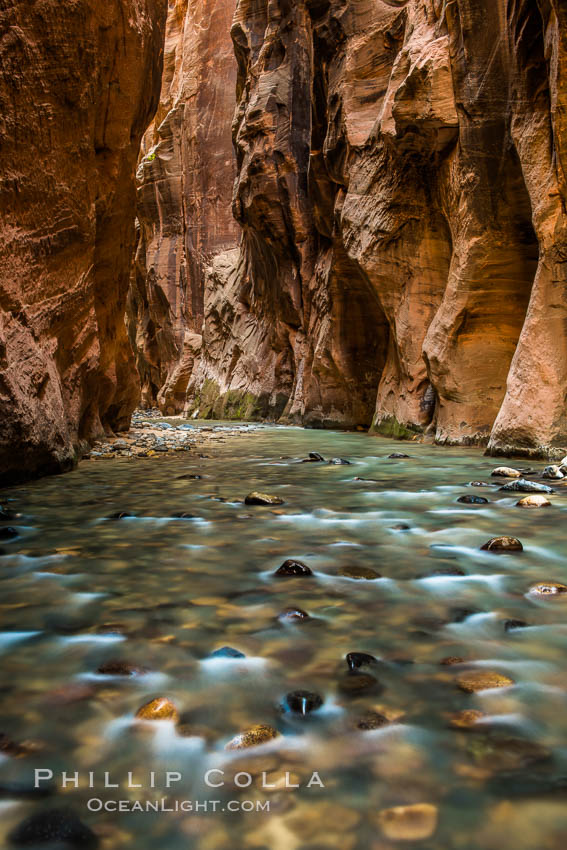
78,590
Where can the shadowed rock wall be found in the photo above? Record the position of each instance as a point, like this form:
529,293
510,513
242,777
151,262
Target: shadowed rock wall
79,83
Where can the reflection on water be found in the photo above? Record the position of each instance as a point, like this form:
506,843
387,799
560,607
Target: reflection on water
162,593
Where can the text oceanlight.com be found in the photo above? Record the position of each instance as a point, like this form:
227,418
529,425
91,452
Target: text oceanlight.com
95,804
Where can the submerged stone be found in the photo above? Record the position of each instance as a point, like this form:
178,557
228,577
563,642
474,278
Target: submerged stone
302,702
253,737
184,515
356,684
293,615
262,499
513,625
482,680
227,652
56,826
120,515
340,461
409,823
160,708
400,526
467,719
371,720
479,484
548,589
503,544
360,573
398,456
117,667
8,533
292,569
355,660
472,500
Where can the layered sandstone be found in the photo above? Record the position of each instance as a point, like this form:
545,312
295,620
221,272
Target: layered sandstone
79,83
401,192
185,182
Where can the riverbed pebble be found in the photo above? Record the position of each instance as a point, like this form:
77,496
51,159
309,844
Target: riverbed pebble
409,823
553,472
482,680
262,499
160,708
293,569
506,472
360,573
472,500
503,544
261,733
302,702
534,501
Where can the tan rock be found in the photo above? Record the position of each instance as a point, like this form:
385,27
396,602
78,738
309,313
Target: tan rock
506,472
482,680
503,544
466,719
549,590
409,823
533,501
160,708
253,737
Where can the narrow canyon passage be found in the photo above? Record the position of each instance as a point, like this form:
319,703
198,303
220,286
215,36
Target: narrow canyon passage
277,279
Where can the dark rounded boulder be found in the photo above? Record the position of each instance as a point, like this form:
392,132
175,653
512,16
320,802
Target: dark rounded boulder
8,533
227,652
355,660
472,500
302,702
293,569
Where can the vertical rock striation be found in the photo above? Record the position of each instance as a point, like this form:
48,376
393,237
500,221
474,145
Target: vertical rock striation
79,83
401,192
185,185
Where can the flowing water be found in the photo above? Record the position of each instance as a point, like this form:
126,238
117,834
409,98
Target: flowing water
79,589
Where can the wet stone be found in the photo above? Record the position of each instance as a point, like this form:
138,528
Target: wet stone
535,501
316,457
253,737
356,684
400,526
292,569
398,456
553,472
117,667
360,573
522,485
446,571
451,660
227,652
482,680
514,625
121,515
467,719
472,500
57,826
184,515
503,544
293,615
409,823
548,589
371,720
506,472
160,708
302,702
356,660
8,533
479,484
340,461
262,499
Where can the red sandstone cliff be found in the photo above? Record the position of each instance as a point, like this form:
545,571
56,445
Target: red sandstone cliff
79,83
185,185
401,191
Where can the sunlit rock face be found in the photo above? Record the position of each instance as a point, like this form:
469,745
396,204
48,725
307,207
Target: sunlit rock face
79,83
185,182
401,193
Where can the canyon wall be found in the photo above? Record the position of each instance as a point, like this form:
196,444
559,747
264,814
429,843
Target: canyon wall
185,182
79,83
401,193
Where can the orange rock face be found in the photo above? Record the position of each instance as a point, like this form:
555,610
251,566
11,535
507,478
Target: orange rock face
79,83
401,193
185,182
